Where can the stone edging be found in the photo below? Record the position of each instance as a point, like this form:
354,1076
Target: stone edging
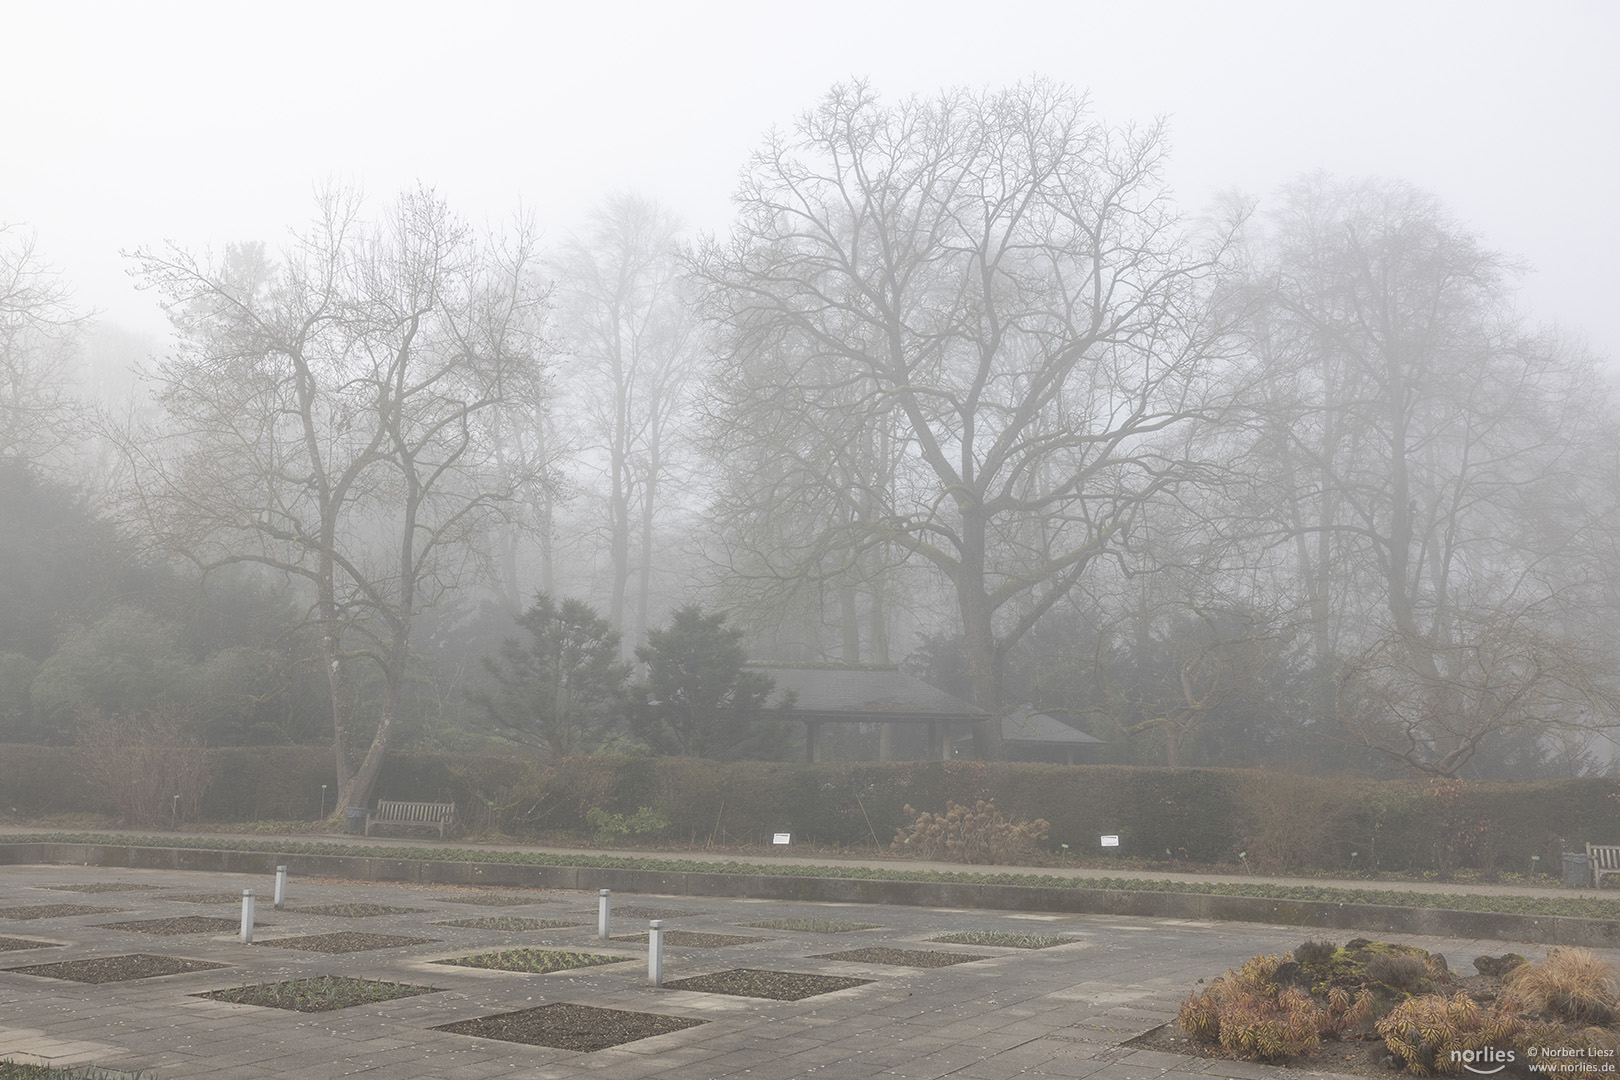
1376,918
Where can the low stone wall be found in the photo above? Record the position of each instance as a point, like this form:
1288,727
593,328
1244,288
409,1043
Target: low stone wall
1373,918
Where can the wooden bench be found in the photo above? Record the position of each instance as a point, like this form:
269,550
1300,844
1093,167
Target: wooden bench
1602,859
392,812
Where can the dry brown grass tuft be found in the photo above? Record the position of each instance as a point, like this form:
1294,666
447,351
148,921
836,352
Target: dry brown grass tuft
1571,984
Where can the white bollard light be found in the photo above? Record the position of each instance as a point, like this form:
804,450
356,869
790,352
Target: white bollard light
602,914
655,952
281,886
247,916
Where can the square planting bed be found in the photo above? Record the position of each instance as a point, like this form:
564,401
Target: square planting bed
1004,938
494,899
103,886
512,922
16,944
918,958
345,941
106,969
205,897
55,911
534,961
694,939
812,926
358,911
777,985
322,993
183,924
633,911
570,1027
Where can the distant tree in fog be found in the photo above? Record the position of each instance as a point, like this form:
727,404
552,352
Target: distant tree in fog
995,283
333,413
39,337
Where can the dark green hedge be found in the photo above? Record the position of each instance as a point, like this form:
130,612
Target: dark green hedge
1196,816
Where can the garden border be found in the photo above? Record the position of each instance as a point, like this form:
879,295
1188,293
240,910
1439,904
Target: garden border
1377,918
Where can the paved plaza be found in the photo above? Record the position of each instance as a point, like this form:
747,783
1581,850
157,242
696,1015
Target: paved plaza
1054,1012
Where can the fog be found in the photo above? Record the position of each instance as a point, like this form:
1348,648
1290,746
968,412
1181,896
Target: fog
629,407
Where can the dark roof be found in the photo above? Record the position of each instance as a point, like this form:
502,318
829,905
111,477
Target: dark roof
1029,726
854,694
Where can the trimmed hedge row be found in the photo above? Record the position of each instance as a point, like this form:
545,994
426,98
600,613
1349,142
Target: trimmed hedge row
1197,816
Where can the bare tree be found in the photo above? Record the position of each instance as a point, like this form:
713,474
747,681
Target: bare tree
627,324
333,416
994,278
1432,469
39,336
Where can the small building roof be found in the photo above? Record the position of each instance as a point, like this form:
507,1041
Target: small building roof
1028,726
865,695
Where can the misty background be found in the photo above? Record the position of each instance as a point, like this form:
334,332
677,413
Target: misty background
1281,430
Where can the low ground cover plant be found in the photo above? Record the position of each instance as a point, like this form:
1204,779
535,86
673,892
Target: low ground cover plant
1005,939
320,993
533,961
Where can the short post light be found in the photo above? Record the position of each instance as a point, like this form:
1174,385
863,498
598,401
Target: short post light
602,913
281,887
247,916
655,952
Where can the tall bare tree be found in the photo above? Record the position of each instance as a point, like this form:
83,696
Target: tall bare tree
997,276
628,326
332,415
1429,464
39,336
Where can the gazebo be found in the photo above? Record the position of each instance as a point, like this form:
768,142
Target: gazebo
840,695
1036,736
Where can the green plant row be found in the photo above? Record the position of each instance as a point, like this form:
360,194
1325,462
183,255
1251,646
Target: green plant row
1578,907
19,1070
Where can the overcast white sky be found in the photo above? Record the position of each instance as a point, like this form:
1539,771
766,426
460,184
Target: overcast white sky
131,124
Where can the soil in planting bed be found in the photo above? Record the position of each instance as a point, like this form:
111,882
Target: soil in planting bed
345,941
103,886
16,944
321,993
106,969
205,897
562,1026
494,899
358,911
632,911
533,961
777,985
812,926
183,924
694,939
1004,939
917,958
56,911
511,922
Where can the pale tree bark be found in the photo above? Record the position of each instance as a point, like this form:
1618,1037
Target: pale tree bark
334,416
994,278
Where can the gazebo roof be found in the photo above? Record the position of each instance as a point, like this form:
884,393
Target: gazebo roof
1029,726
865,695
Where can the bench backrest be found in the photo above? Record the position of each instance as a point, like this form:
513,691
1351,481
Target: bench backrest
414,811
1604,856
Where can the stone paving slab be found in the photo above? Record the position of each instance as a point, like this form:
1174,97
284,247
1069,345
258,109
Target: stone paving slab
1060,1012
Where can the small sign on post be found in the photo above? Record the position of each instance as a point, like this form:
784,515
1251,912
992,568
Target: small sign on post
1111,840
655,952
602,914
247,916
782,838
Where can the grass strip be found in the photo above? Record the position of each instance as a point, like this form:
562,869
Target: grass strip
20,1070
1581,907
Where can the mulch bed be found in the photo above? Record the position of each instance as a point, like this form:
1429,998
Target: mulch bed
322,993
204,898
358,911
345,941
16,944
533,961
631,911
812,926
103,886
512,922
694,939
917,958
494,899
777,985
570,1027
183,924
56,911
106,969
1004,939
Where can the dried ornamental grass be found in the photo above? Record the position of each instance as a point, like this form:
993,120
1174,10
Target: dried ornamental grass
978,834
1571,984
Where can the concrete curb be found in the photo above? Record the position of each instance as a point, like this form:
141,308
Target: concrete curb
1377,918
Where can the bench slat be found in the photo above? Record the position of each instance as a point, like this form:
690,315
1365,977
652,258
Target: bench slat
398,812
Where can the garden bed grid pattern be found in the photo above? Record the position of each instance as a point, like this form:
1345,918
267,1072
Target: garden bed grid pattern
1059,1012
